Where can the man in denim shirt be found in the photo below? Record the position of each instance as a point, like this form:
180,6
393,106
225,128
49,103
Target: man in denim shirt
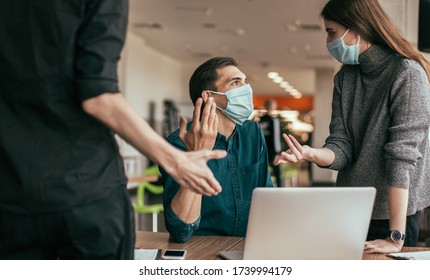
223,104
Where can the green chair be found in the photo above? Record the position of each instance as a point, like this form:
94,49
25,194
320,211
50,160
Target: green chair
140,207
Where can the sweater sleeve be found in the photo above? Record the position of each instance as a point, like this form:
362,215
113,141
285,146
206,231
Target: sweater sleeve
410,111
338,141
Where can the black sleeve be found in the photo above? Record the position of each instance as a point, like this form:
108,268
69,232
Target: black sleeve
100,41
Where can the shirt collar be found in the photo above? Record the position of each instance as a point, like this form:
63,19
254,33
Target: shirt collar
221,137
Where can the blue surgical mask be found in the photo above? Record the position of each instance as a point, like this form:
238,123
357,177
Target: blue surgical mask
239,106
343,53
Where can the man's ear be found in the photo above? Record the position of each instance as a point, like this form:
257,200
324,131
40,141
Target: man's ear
205,95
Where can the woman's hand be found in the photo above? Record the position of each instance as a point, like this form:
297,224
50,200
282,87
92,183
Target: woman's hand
321,156
295,153
382,246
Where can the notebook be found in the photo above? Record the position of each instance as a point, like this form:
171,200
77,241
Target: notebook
315,223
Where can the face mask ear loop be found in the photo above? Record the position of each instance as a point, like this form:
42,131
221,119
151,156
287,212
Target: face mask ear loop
216,92
345,33
220,93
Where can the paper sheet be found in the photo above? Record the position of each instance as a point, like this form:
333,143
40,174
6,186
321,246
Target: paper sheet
145,254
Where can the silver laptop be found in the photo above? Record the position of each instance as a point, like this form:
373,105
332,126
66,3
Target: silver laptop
315,223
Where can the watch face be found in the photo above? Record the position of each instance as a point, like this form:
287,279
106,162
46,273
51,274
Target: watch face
396,235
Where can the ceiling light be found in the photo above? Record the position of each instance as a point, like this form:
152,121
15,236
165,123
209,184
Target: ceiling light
284,84
278,80
272,75
291,27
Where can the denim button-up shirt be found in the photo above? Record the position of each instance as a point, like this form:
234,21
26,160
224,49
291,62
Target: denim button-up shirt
244,168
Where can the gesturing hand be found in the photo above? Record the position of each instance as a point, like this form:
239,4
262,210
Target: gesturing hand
193,173
295,152
203,131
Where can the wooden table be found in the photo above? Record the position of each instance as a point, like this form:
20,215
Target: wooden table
207,247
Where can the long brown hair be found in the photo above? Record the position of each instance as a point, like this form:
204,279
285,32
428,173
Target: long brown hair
367,18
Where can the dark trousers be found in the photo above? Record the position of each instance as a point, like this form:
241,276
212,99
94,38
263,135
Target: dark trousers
380,229
102,229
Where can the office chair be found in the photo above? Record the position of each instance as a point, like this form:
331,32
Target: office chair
140,207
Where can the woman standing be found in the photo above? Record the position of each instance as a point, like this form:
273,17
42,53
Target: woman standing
379,130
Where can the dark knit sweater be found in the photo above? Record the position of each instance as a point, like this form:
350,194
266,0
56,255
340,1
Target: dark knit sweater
379,129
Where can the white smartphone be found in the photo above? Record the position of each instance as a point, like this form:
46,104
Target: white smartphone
174,254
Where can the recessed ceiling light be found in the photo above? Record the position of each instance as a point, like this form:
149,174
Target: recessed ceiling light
272,75
291,27
278,80
284,84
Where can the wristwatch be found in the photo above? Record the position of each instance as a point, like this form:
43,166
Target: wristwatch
397,235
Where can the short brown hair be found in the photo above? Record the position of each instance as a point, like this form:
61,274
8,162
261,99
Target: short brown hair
206,75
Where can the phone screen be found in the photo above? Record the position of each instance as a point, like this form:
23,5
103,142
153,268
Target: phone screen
171,254
174,253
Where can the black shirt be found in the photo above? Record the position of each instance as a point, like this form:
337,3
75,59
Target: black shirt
54,54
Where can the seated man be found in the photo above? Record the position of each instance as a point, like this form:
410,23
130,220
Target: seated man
220,88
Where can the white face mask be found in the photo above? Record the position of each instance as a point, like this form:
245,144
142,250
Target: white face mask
240,105
343,53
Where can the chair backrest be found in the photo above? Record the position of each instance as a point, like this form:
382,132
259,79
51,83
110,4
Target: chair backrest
152,170
141,208
151,187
